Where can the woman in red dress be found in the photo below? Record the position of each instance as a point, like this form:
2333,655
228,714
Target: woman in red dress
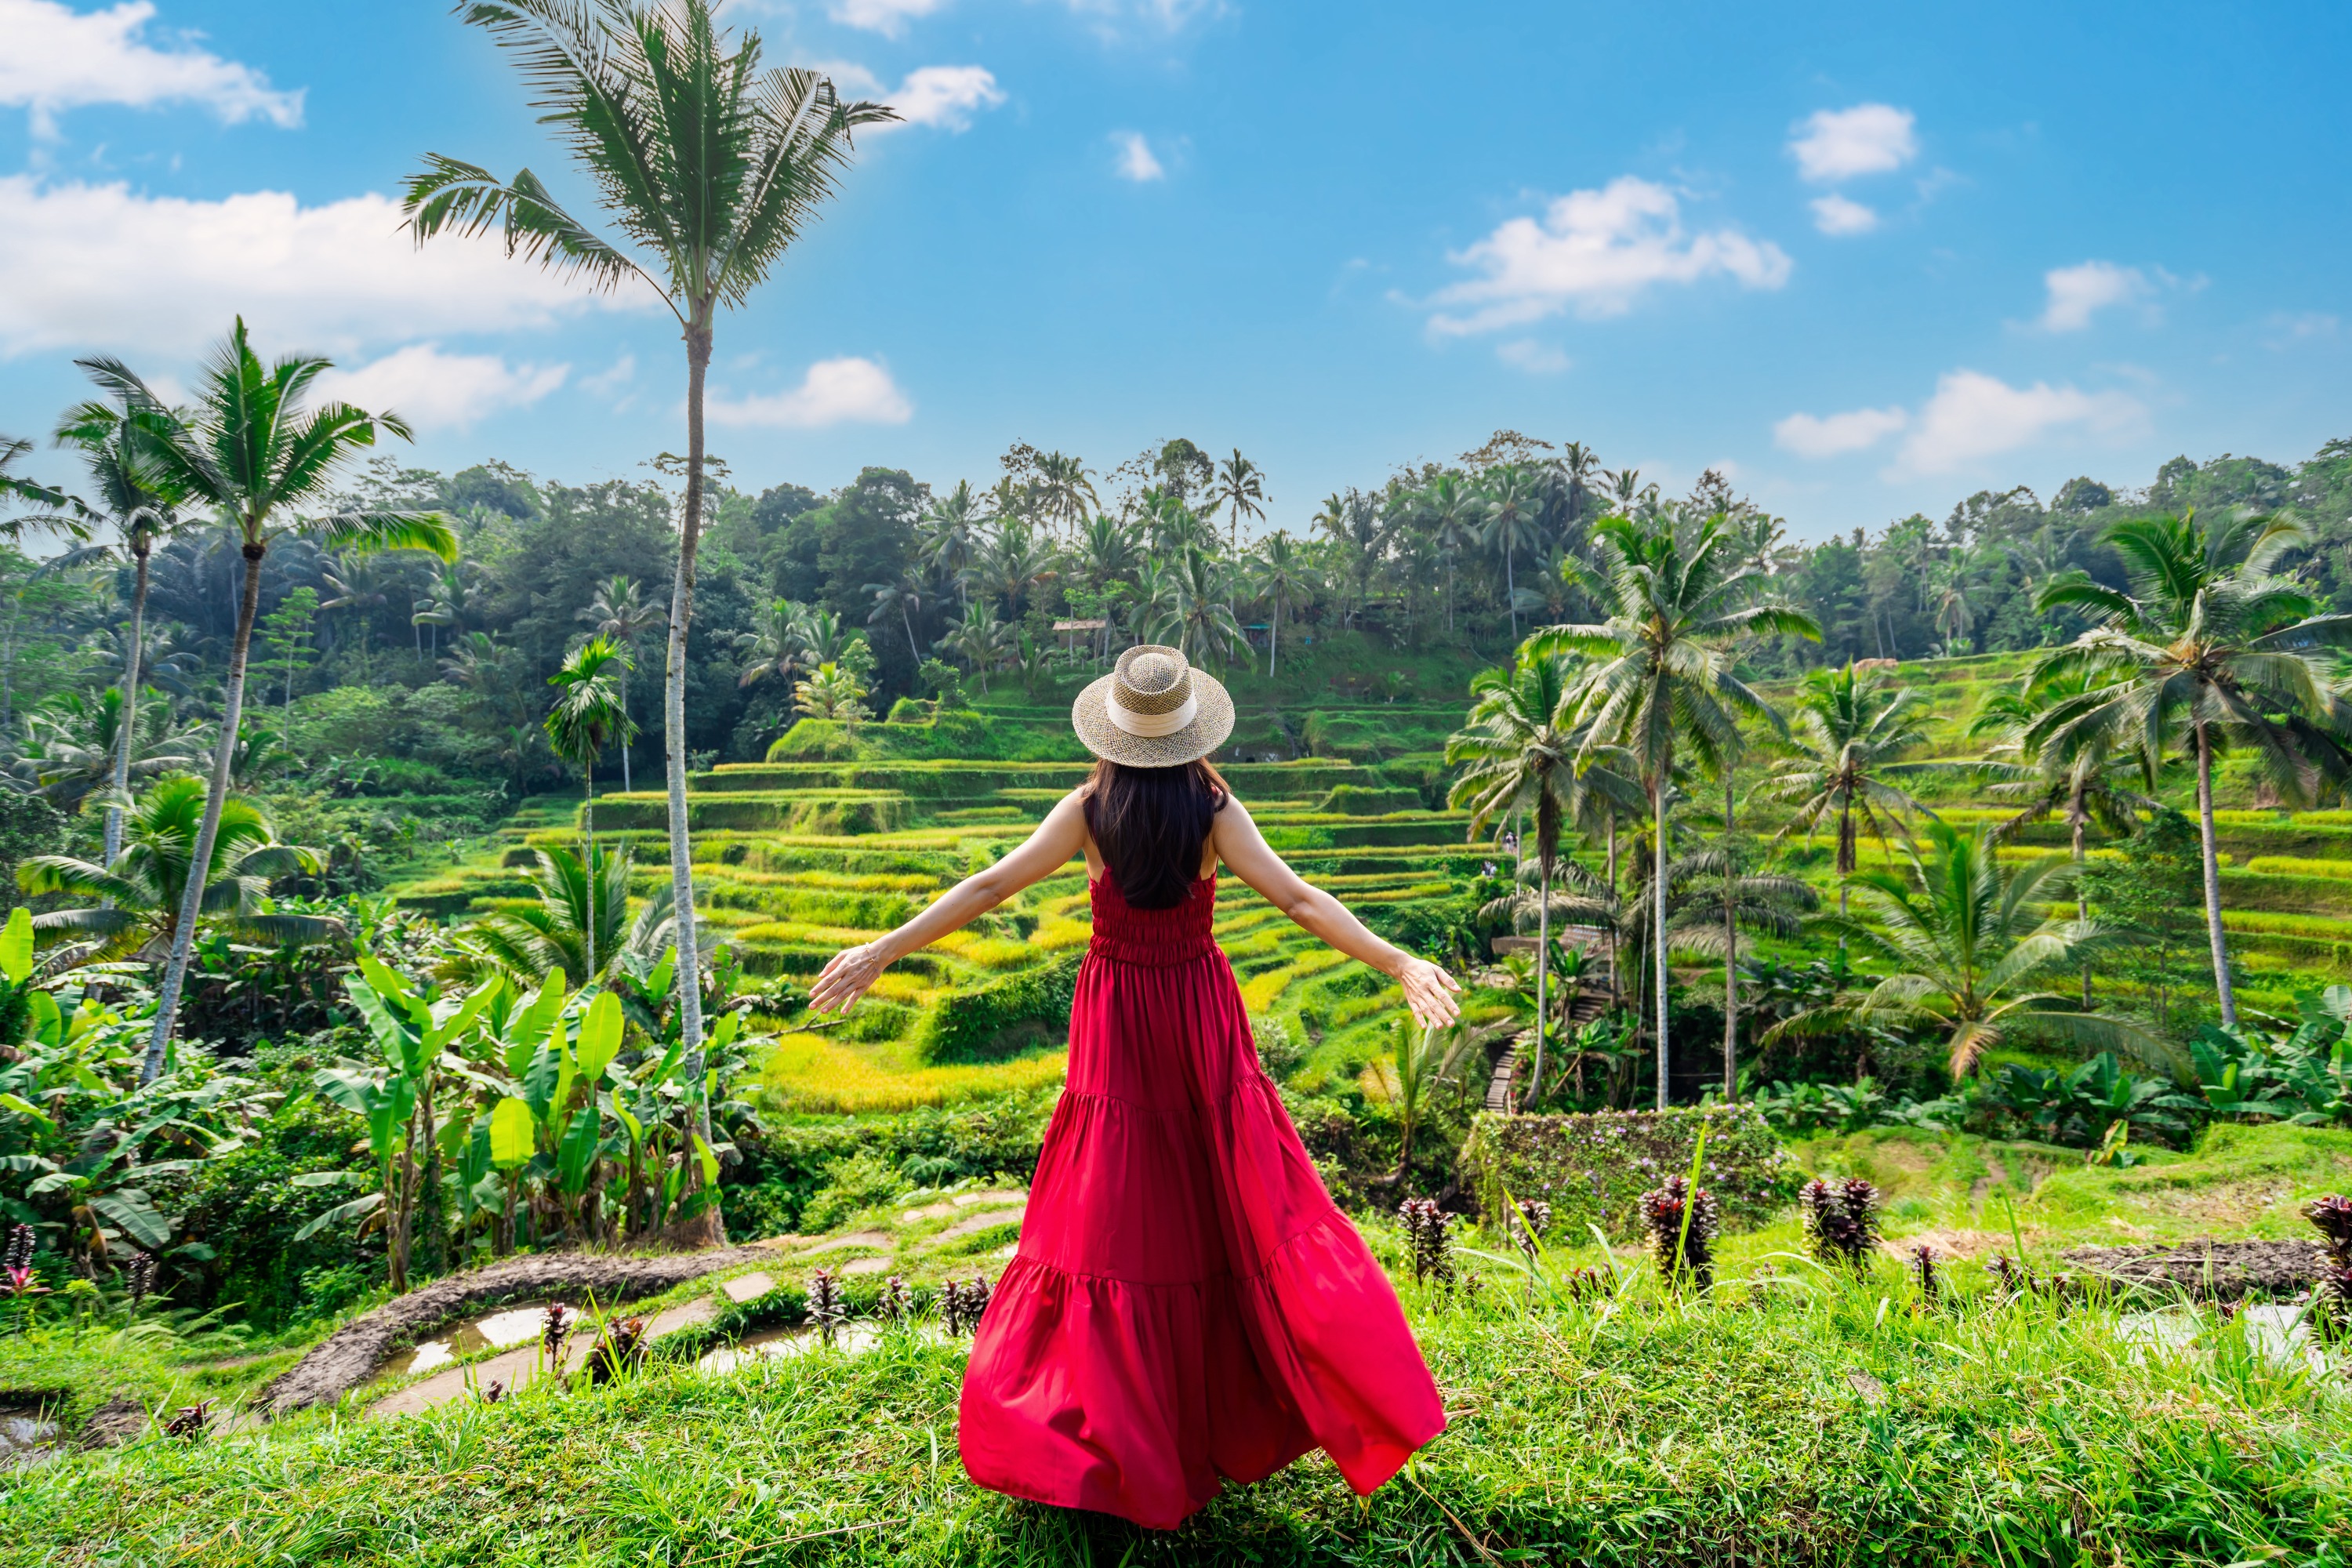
1187,1306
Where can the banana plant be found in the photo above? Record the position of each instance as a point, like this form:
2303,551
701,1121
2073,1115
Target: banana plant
413,1030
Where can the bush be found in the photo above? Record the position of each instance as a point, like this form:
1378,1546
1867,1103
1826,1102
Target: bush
815,741
863,1181
1367,800
1593,1169
990,1022
783,1168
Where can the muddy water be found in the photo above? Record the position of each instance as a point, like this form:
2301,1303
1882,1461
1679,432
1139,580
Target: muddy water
775,1345
27,1438
499,1331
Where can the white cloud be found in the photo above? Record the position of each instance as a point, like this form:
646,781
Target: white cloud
1535,358
1135,159
1827,435
1868,138
2078,293
887,17
611,378
85,266
1974,415
58,59
945,96
433,390
1833,214
834,392
1597,251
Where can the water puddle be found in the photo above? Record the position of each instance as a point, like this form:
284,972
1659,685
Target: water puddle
27,1438
502,1329
778,1344
2278,1334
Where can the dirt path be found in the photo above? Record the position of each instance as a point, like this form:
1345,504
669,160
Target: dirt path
345,1358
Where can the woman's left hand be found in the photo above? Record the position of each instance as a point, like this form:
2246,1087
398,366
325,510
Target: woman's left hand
846,977
1429,992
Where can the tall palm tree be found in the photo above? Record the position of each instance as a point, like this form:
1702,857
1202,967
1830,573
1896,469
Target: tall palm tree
903,598
1106,552
1510,521
252,453
1519,752
447,602
1287,581
1066,489
1013,562
1966,941
2086,787
360,585
710,167
1679,596
74,747
1452,509
2208,639
581,925
950,536
141,895
1849,729
588,716
773,647
124,489
980,639
620,614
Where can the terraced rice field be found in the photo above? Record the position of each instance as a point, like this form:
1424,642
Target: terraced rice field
797,859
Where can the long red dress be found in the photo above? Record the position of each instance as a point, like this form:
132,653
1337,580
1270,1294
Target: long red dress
1187,1306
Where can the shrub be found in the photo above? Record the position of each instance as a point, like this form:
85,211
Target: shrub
1364,800
1593,1169
815,741
996,1020
863,1181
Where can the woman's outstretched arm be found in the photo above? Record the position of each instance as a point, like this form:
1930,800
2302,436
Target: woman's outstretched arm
1058,838
1428,990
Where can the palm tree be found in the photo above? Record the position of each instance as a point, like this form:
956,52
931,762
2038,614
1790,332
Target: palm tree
980,639
582,926
1679,597
1203,607
620,614
950,537
1065,491
903,599
711,168
2208,638
1451,509
1966,942
445,603
1849,730
1287,581
588,717
773,647
360,585
1519,753
1013,561
142,907
75,748
1510,522
1240,487
2087,787
139,517
253,454
1105,552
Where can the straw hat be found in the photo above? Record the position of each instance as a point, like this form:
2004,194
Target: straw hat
1154,710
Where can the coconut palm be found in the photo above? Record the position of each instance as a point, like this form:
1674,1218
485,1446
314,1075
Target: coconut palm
903,598
75,747
950,536
1206,626
251,452
140,897
2206,639
2091,785
710,167
620,614
447,603
588,717
1967,941
1679,597
361,586
16,488
582,925
980,639
1520,751
830,692
775,645
1065,491
126,500
1510,519
1849,729
1452,511
1287,581
1013,563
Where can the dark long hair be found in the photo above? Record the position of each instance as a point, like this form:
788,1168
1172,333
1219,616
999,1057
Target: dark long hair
1149,824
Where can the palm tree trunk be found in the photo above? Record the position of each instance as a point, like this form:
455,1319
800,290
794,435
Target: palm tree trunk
2081,899
1730,954
1616,980
2221,990
130,702
588,822
628,657
1543,966
192,900
1658,917
429,1207
1273,641
1511,595
681,854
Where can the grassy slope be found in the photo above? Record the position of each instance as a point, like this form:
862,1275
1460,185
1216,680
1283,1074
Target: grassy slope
1631,1430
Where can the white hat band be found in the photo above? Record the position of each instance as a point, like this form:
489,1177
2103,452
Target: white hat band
1150,726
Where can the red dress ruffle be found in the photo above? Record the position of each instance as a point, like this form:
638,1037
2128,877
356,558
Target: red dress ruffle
1187,1306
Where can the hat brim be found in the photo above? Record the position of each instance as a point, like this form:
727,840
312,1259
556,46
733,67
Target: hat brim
1090,715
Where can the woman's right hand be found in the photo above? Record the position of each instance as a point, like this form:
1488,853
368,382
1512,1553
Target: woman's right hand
1429,992
846,977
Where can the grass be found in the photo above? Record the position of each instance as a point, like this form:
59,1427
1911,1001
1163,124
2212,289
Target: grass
1796,1416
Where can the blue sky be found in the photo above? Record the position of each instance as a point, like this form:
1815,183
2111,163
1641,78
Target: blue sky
1866,258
